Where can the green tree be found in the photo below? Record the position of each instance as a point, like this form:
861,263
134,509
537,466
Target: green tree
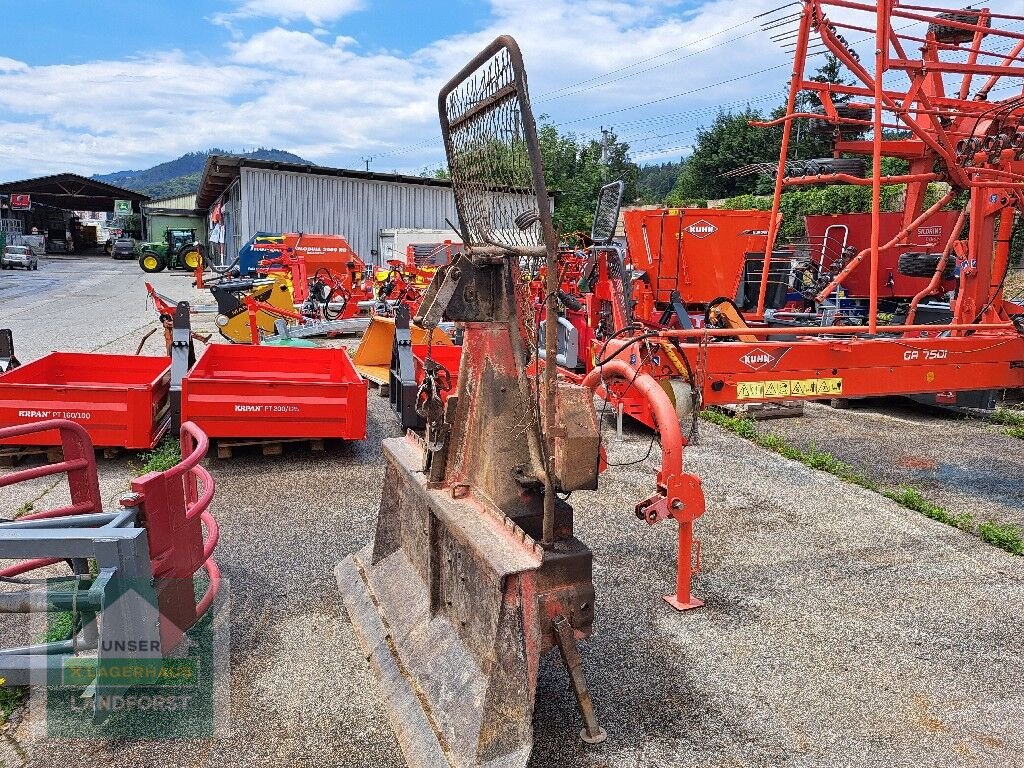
656,181
730,143
805,141
574,173
830,72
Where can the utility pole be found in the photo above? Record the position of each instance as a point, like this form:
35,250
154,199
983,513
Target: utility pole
367,160
606,143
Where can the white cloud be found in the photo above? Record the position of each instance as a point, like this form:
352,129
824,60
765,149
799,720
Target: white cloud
317,12
326,98
11,65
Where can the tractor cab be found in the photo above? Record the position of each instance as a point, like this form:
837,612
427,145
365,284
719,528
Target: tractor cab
179,238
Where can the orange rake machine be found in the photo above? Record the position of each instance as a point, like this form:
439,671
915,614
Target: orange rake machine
973,144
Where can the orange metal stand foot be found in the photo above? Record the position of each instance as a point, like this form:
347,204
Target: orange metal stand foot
681,606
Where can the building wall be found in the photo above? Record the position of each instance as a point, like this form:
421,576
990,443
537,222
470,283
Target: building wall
157,223
281,201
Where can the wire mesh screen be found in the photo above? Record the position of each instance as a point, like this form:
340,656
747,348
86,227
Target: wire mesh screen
492,150
606,216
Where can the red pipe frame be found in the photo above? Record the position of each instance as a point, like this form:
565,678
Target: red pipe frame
679,494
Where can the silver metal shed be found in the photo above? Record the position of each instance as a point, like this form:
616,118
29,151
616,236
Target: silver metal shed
268,196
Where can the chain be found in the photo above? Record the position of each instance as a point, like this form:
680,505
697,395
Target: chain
429,405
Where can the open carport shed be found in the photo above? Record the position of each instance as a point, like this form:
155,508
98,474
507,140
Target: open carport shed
53,198
71,192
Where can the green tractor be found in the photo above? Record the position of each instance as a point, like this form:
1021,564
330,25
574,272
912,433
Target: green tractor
178,250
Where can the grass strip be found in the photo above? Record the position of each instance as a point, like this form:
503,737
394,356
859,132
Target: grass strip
1003,535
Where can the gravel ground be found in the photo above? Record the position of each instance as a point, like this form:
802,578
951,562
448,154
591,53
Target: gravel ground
960,463
840,629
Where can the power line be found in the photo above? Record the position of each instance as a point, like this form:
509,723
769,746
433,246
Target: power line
568,90
586,88
544,96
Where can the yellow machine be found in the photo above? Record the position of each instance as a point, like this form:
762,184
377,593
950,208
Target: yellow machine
233,314
372,357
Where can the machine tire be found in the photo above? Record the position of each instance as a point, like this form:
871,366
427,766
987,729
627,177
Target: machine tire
923,265
191,259
851,166
953,35
152,262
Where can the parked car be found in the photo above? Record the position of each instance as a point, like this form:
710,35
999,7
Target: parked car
18,256
123,248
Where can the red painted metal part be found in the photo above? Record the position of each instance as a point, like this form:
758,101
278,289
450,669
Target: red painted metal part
448,355
929,236
863,367
275,392
120,400
302,255
175,509
79,464
679,494
254,306
163,305
700,252
969,140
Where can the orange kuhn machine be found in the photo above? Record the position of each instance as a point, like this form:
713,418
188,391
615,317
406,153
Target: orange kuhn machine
952,131
877,318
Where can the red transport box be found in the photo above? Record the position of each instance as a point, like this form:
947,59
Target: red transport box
121,400
271,392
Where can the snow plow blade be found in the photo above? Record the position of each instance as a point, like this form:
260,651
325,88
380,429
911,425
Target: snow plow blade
452,606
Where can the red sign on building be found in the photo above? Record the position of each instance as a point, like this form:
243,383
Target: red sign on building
21,202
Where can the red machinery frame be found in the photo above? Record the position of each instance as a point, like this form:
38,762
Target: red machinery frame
973,144
174,507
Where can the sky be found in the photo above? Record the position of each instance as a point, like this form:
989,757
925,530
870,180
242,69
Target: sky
106,85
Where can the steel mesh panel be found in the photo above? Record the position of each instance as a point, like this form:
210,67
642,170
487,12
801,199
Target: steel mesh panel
606,216
489,153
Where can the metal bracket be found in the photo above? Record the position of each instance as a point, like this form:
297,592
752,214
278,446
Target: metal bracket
183,357
8,360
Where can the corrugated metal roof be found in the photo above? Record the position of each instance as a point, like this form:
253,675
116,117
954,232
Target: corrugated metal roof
221,170
176,203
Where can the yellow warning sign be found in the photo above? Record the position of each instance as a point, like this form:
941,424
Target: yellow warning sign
830,386
750,390
763,390
803,387
776,389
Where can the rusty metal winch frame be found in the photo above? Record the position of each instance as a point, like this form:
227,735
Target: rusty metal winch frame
475,572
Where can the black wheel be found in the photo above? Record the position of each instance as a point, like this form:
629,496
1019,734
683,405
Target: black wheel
955,35
923,265
152,262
